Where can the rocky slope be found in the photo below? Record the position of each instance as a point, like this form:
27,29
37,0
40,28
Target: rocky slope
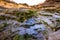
20,22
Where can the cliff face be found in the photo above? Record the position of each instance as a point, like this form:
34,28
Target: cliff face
47,3
9,4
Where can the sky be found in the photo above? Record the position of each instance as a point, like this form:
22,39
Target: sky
29,2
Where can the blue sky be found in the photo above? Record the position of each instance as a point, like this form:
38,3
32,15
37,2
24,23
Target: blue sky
29,2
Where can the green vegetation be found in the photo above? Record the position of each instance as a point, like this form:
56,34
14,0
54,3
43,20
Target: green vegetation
44,22
15,37
20,16
50,10
53,10
24,15
2,18
45,32
3,25
18,37
26,36
58,20
21,37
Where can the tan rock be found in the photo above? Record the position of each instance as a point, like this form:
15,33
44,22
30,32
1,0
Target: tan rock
54,35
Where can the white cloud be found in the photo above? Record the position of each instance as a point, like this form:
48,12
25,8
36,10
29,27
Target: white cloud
29,2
